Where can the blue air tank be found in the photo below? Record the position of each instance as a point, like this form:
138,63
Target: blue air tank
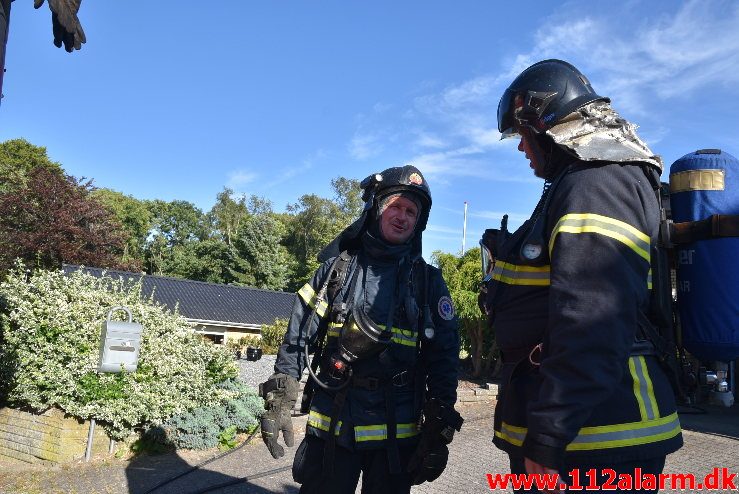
704,183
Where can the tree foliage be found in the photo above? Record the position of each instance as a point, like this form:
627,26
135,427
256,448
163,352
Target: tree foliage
18,158
462,276
239,240
54,220
134,216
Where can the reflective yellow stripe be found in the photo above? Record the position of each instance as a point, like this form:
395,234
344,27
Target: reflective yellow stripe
379,432
322,422
643,389
334,330
697,180
649,279
603,225
401,336
309,296
607,436
514,274
404,337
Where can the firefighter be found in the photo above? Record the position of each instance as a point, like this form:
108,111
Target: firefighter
569,295
383,331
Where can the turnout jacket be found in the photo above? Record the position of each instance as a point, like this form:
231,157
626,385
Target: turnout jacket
592,396
413,368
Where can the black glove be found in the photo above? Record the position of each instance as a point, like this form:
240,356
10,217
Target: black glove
65,23
437,430
280,392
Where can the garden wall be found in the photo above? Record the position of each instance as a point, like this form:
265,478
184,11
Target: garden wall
46,438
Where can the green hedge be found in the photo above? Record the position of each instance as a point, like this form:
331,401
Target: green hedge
51,324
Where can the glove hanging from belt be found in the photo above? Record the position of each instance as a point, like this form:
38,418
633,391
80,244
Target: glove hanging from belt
280,392
439,421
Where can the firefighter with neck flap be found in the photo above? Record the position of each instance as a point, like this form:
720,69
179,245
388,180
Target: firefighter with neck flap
569,294
383,333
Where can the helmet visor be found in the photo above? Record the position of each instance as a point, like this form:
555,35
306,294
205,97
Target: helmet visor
506,120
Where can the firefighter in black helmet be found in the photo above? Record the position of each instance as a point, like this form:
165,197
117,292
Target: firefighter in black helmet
569,294
383,333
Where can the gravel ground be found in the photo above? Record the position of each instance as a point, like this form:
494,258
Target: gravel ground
255,373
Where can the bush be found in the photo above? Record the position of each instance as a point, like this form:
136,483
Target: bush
272,336
50,327
209,426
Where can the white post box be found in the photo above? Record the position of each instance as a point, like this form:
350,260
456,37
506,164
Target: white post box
119,344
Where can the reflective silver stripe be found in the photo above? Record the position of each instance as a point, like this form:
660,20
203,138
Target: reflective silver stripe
379,432
644,432
643,389
514,274
404,337
322,422
603,225
308,294
607,436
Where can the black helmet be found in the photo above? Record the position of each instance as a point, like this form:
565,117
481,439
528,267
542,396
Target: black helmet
542,95
375,188
406,178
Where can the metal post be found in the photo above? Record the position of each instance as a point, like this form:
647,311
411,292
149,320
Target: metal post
111,448
90,432
464,227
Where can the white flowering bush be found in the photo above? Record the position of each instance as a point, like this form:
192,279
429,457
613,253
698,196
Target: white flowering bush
50,328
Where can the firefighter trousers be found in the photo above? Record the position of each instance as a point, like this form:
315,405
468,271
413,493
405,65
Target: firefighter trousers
372,464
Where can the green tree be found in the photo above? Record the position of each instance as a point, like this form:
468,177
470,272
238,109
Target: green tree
135,218
462,276
208,260
264,259
229,215
174,225
17,158
54,220
314,221
348,197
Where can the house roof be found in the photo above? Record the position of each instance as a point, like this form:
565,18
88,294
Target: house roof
208,303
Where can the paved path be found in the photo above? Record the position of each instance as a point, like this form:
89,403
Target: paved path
472,456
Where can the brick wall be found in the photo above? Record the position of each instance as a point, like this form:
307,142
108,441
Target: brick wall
48,437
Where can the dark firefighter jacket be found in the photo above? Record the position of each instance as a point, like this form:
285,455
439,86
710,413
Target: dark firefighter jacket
592,396
429,364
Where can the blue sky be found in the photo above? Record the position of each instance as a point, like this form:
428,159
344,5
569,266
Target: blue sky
177,99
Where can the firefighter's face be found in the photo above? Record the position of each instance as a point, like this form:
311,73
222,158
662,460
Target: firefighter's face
398,220
532,150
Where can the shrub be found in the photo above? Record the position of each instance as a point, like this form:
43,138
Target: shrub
50,326
213,425
272,336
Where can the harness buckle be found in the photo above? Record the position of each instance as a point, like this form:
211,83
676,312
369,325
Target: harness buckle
536,352
401,379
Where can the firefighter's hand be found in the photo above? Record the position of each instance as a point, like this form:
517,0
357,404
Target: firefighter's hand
279,393
533,467
427,464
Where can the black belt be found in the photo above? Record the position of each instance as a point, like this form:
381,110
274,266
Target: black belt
374,383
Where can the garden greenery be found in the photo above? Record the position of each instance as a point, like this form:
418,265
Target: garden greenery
50,328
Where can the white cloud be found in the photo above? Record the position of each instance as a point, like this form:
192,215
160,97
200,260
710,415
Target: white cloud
443,229
239,178
364,146
635,62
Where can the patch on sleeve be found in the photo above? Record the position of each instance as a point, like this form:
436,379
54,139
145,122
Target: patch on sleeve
446,308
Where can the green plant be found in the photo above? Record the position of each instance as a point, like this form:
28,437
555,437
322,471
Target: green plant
227,438
272,336
51,327
208,426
